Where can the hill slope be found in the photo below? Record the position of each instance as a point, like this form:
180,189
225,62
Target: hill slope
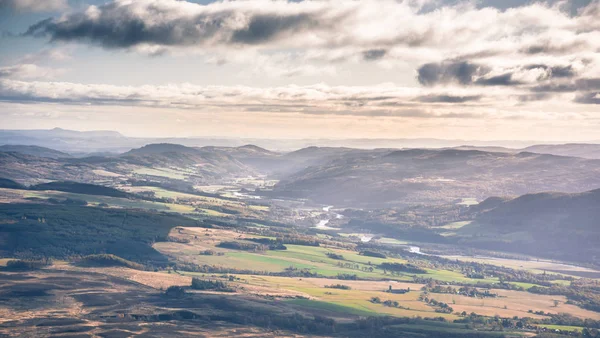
34,151
591,151
554,225
382,178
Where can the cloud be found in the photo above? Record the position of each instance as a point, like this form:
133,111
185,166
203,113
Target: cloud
588,98
384,100
125,24
448,98
550,47
555,71
583,84
467,73
498,80
28,71
374,54
371,26
461,72
34,5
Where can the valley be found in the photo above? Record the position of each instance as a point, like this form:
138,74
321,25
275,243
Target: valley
150,223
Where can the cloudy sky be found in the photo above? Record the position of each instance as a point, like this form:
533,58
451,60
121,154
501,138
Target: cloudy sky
454,69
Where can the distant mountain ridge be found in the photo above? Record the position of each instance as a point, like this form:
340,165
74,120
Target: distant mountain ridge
591,151
109,141
406,177
34,151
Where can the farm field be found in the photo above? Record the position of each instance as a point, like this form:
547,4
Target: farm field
314,259
111,201
161,172
533,265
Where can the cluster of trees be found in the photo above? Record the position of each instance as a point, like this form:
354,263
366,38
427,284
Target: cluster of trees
338,286
399,267
468,291
273,244
441,307
371,253
389,303
333,255
355,266
584,296
299,240
209,252
496,323
235,245
27,264
292,271
346,276
214,285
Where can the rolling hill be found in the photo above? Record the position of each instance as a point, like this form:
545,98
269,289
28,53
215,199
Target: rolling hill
583,150
553,225
34,151
381,178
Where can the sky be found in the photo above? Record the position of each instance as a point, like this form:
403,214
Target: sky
448,69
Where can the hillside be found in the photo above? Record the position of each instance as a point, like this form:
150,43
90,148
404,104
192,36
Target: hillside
583,150
203,164
81,188
28,169
60,231
159,162
382,178
34,151
554,225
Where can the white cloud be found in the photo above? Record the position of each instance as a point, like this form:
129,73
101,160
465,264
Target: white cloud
28,71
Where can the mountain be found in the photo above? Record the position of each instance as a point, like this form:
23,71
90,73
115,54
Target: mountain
203,163
381,178
71,140
591,151
554,225
28,169
279,165
160,148
34,151
156,162
489,149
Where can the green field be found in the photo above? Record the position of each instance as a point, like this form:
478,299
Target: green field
562,327
327,306
161,172
111,201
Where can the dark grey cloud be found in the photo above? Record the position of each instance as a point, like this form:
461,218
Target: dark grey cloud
263,28
462,72
448,98
534,97
374,54
579,85
572,6
588,98
468,73
549,47
118,26
498,80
